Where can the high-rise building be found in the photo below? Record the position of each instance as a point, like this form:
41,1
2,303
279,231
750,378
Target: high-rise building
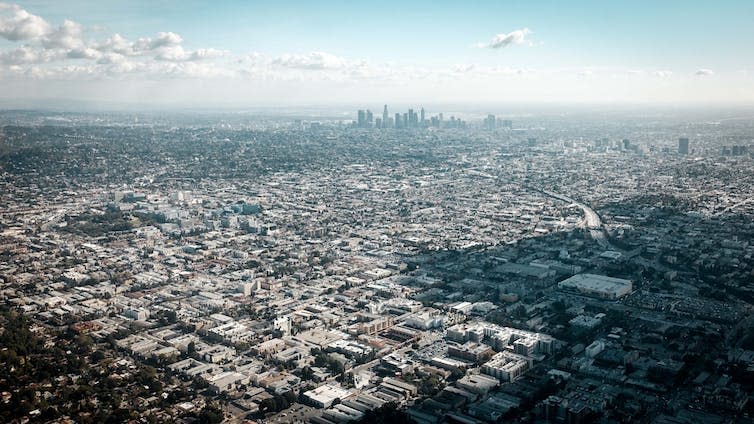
378,123
683,146
384,116
626,144
362,122
489,122
422,117
398,123
370,118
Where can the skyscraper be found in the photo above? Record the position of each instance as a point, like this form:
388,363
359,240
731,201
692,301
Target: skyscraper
422,113
384,116
683,146
362,122
370,118
490,122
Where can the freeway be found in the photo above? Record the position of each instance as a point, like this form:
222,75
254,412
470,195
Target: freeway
591,220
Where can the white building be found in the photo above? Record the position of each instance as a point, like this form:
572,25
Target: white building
324,396
597,285
507,366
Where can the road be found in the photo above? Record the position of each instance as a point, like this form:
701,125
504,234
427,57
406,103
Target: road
591,221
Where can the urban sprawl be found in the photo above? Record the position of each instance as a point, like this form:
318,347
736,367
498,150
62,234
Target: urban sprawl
571,268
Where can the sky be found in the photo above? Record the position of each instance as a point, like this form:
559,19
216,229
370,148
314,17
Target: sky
284,53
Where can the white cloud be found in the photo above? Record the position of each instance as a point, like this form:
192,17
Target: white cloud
27,55
84,53
163,40
505,40
313,60
465,68
19,56
17,24
704,72
178,54
110,58
67,36
663,73
116,44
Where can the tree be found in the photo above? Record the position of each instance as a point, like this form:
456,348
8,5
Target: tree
307,373
210,414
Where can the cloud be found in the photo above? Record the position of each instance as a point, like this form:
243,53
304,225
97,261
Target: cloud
26,55
178,54
662,73
67,36
21,55
62,52
116,43
313,61
84,53
17,24
505,40
704,72
163,40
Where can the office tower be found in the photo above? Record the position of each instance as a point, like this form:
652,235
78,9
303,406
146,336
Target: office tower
422,112
405,120
378,123
362,122
507,123
626,144
398,123
370,118
489,122
411,118
384,116
683,146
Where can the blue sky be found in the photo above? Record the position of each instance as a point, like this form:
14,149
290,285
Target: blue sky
296,51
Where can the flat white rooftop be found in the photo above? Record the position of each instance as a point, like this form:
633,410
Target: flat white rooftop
598,283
